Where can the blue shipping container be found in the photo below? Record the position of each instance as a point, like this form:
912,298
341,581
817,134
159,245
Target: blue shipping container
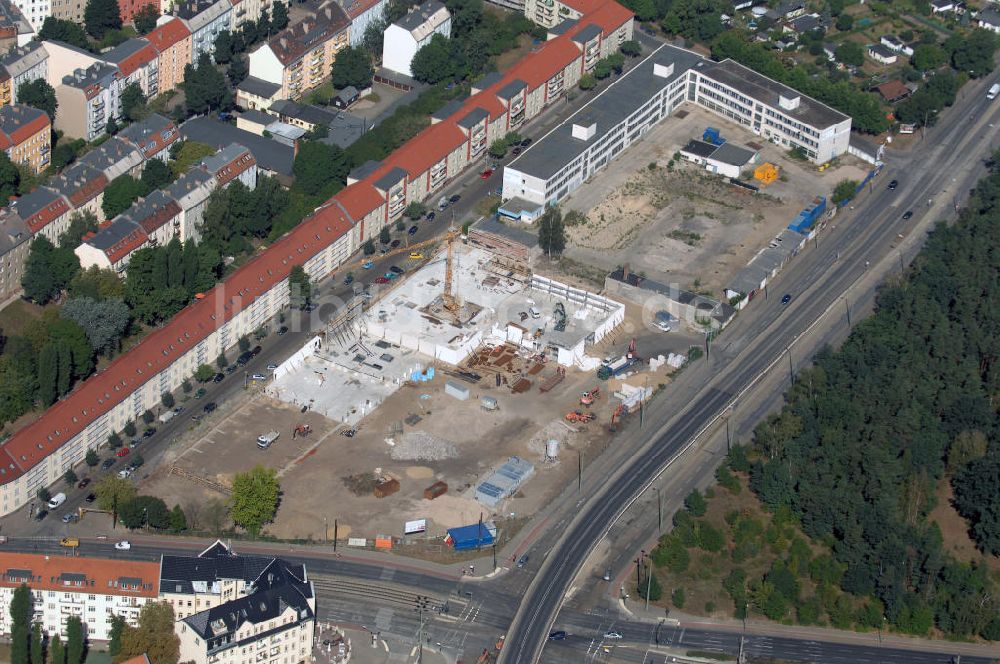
465,538
808,216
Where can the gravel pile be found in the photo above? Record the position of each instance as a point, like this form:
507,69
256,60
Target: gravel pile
421,446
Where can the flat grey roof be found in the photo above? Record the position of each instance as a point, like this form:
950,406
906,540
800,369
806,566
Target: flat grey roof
729,153
511,89
563,27
548,155
587,33
447,110
486,81
472,118
258,117
35,200
699,148
492,225
270,155
113,233
766,91
364,170
389,179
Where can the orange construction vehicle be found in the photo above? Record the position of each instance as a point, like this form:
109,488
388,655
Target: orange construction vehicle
617,416
301,430
590,397
579,417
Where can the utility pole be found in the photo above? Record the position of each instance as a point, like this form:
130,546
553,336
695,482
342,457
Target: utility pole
638,569
649,584
791,370
334,535
579,470
659,510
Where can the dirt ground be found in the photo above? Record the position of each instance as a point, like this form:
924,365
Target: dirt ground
453,441
955,529
677,223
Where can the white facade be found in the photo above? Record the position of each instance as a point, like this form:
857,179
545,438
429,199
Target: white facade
209,20
36,11
26,64
286,639
265,65
411,33
363,19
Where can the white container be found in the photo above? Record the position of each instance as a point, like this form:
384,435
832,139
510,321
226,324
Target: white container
552,449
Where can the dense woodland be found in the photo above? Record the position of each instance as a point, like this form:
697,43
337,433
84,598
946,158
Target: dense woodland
909,401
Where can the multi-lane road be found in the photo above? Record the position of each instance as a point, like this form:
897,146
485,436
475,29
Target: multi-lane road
942,167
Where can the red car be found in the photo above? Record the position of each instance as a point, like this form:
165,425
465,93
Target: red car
381,280
122,452
83,483
486,174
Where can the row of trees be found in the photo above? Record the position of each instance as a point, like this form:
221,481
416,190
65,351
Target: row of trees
125,189
29,645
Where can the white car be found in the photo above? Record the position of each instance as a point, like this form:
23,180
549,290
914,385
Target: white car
612,636
259,376
124,473
124,545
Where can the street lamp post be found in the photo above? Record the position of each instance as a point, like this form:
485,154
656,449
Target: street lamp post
422,602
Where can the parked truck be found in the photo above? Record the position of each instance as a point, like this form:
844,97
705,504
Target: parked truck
167,416
264,441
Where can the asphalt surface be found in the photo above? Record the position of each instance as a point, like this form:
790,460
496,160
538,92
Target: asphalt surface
946,164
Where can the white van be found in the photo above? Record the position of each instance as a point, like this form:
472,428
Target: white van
57,500
535,313
993,91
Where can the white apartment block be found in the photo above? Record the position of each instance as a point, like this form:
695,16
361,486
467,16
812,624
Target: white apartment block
93,589
569,155
411,33
36,11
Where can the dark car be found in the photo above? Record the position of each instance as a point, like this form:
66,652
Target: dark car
517,151
90,498
907,214
454,199
209,407
219,377
430,216
522,561
558,635
526,142
149,433
256,349
786,299
281,331
41,514
348,280
82,484
893,185
413,230
394,243
244,358
108,463
230,369
396,269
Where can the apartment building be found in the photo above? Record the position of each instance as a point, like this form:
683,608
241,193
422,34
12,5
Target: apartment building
248,10
153,137
137,62
550,13
88,98
83,186
15,241
299,58
128,9
362,13
26,136
412,32
231,163
21,65
93,589
35,11
205,20
64,59
41,452
239,609
172,41
649,93
45,211
15,29
114,158
191,191
69,10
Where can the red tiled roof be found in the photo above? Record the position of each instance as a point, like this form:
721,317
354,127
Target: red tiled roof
168,34
33,120
140,58
542,64
893,90
47,215
360,7
608,15
359,199
130,578
159,217
425,149
235,168
88,191
129,371
127,244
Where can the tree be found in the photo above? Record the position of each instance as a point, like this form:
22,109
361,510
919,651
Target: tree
120,194
255,498
651,585
145,19
81,222
99,17
167,399
48,375
384,236
279,16
43,494
91,458
204,373
434,62
587,82
631,48
74,640
695,503
115,441
222,361
223,52
551,235
374,36
37,649
47,270
415,210
155,175
133,103
113,492
845,22
977,498
243,343
96,284
20,615
118,625
369,247
352,65
10,177
317,166
844,191
205,87
927,57
103,321
54,29
144,511
972,52
677,597
38,94
300,288
850,53
57,653
69,477
129,429
238,70
967,446
154,636
177,519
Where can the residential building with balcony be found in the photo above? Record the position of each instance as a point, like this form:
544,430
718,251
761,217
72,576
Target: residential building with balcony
26,136
21,65
191,191
362,13
231,163
93,589
15,242
205,20
172,41
45,211
248,10
411,33
83,186
15,29
88,98
137,62
35,11
128,9
299,58
114,158
111,247
153,137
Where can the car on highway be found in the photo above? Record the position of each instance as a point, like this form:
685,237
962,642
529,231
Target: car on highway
454,199
70,542
209,407
431,215
381,280
390,275
90,498
607,574
893,185
416,256
368,265
148,433
258,376
123,452
124,545
82,484
413,230
786,298
397,269
907,214
41,514
219,377
108,463
558,635
485,175
522,561
272,367
612,636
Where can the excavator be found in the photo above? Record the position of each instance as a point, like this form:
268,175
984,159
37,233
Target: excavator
588,398
616,417
579,417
